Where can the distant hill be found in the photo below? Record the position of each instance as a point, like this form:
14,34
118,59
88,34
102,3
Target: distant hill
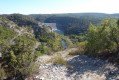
70,23
73,23
76,15
21,20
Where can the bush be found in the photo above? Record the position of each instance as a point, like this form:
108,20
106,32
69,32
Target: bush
58,59
2,73
82,47
19,57
102,38
76,52
80,50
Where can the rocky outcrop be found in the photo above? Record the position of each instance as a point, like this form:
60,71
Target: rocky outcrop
7,23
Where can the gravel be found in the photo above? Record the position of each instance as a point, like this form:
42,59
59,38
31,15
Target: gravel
79,67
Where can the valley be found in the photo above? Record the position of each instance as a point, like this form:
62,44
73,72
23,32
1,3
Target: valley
77,46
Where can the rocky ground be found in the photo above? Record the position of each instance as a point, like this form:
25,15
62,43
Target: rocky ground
79,67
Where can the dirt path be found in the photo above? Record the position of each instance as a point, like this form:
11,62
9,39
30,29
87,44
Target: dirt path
20,32
43,59
80,67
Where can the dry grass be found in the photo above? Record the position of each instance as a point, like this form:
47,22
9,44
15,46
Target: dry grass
58,59
2,73
81,49
76,52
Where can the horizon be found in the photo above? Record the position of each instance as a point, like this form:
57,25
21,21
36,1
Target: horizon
61,13
58,7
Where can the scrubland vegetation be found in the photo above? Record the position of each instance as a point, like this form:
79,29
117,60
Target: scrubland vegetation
20,50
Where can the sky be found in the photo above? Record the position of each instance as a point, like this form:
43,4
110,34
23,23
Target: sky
58,6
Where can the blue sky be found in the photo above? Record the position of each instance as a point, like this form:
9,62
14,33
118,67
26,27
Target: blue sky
58,6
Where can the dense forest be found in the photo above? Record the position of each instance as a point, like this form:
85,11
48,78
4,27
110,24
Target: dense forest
22,40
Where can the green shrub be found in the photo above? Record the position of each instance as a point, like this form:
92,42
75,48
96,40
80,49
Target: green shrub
52,41
102,38
37,53
19,57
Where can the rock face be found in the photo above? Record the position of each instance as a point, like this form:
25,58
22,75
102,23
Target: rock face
79,67
7,23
